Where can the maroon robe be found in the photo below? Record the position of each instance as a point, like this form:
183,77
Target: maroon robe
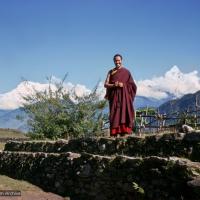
121,102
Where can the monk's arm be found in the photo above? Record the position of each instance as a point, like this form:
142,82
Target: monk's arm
132,87
107,84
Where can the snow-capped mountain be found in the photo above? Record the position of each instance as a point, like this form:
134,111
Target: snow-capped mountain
173,84
150,92
14,98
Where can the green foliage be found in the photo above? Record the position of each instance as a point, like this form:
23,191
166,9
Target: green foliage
55,113
140,119
185,118
146,111
138,190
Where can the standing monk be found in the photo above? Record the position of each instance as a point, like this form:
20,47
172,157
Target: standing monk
120,92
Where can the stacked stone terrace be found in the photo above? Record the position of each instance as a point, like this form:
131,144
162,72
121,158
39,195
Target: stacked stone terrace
156,167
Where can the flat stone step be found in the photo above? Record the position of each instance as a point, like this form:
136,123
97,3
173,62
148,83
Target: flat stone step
163,145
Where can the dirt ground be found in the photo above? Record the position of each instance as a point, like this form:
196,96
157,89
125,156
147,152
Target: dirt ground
27,190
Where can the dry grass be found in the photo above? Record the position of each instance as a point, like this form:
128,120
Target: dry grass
10,133
7,183
2,146
28,191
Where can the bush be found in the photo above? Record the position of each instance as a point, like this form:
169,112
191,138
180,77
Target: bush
55,113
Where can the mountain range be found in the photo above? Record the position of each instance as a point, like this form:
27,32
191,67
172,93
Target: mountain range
8,118
188,102
168,93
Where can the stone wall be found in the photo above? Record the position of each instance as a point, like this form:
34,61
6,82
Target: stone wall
105,168
180,144
86,176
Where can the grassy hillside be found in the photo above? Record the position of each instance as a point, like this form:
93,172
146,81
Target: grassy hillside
11,133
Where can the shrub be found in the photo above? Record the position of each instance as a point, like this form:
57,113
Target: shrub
55,113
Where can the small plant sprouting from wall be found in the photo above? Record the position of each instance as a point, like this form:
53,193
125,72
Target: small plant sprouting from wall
139,191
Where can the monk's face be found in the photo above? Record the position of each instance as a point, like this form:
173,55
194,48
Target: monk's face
118,61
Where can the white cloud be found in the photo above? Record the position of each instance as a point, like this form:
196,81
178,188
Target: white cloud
174,82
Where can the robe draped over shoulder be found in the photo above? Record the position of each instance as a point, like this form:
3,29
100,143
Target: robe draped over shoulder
121,101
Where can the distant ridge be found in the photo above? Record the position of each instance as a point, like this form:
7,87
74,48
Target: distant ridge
8,117
8,120
181,104
141,101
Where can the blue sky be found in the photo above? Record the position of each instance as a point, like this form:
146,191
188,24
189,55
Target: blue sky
39,38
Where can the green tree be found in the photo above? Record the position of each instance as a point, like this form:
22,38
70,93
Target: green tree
55,113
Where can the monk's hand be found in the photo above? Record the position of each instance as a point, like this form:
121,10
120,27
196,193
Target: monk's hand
120,84
116,83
